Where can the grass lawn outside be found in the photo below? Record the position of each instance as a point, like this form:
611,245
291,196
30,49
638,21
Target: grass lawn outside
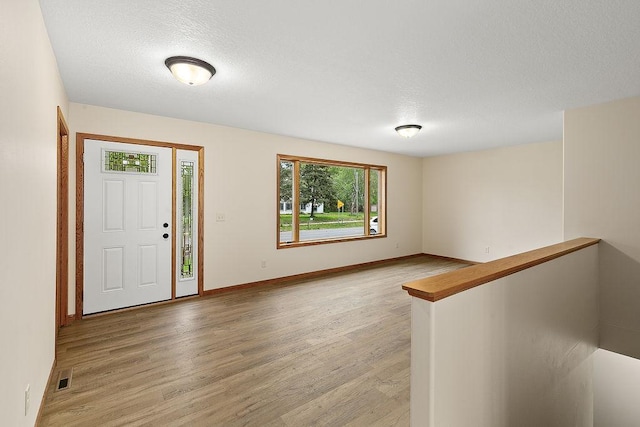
325,220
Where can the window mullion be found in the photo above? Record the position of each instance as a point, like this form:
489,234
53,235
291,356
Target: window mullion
295,209
367,201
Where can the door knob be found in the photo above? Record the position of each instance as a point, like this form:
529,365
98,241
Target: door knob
165,235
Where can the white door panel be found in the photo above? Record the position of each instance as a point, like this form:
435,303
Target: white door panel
127,261
148,205
113,202
113,276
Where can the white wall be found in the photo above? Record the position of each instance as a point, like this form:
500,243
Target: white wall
616,381
602,199
517,351
31,89
508,200
240,181
602,173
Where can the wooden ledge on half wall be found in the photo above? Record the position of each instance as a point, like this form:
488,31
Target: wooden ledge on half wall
435,288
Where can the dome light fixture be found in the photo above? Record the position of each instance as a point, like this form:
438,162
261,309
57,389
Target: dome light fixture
190,71
408,131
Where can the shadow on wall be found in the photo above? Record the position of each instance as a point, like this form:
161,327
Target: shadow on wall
619,280
551,341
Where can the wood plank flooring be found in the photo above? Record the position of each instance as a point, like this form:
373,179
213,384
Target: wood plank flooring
332,351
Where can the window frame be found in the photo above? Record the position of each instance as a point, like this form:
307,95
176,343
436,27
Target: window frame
295,184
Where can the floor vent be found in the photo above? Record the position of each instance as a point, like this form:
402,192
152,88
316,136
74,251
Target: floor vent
64,379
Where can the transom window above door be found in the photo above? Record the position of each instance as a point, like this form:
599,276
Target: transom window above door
123,161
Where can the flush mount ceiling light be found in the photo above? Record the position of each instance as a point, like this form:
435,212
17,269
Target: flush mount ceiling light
408,130
191,71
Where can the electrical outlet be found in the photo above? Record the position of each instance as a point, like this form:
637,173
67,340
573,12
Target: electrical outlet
397,245
263,264
27,399
486,249
220,217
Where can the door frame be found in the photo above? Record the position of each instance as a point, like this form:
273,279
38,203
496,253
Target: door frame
62,222
80,139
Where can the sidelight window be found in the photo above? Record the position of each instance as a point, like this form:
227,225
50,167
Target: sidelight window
186,236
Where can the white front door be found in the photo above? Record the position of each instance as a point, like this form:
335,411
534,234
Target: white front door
127,225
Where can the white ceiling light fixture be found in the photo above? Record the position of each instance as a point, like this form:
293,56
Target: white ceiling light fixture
190,71
408,131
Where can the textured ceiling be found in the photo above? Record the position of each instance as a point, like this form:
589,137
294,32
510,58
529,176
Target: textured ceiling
475,74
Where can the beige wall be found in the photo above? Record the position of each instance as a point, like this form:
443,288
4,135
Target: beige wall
616,381
517,351
508,200
602,199
240,181
602,173
31,89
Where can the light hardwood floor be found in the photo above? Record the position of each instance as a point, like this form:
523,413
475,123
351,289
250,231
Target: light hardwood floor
332,351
